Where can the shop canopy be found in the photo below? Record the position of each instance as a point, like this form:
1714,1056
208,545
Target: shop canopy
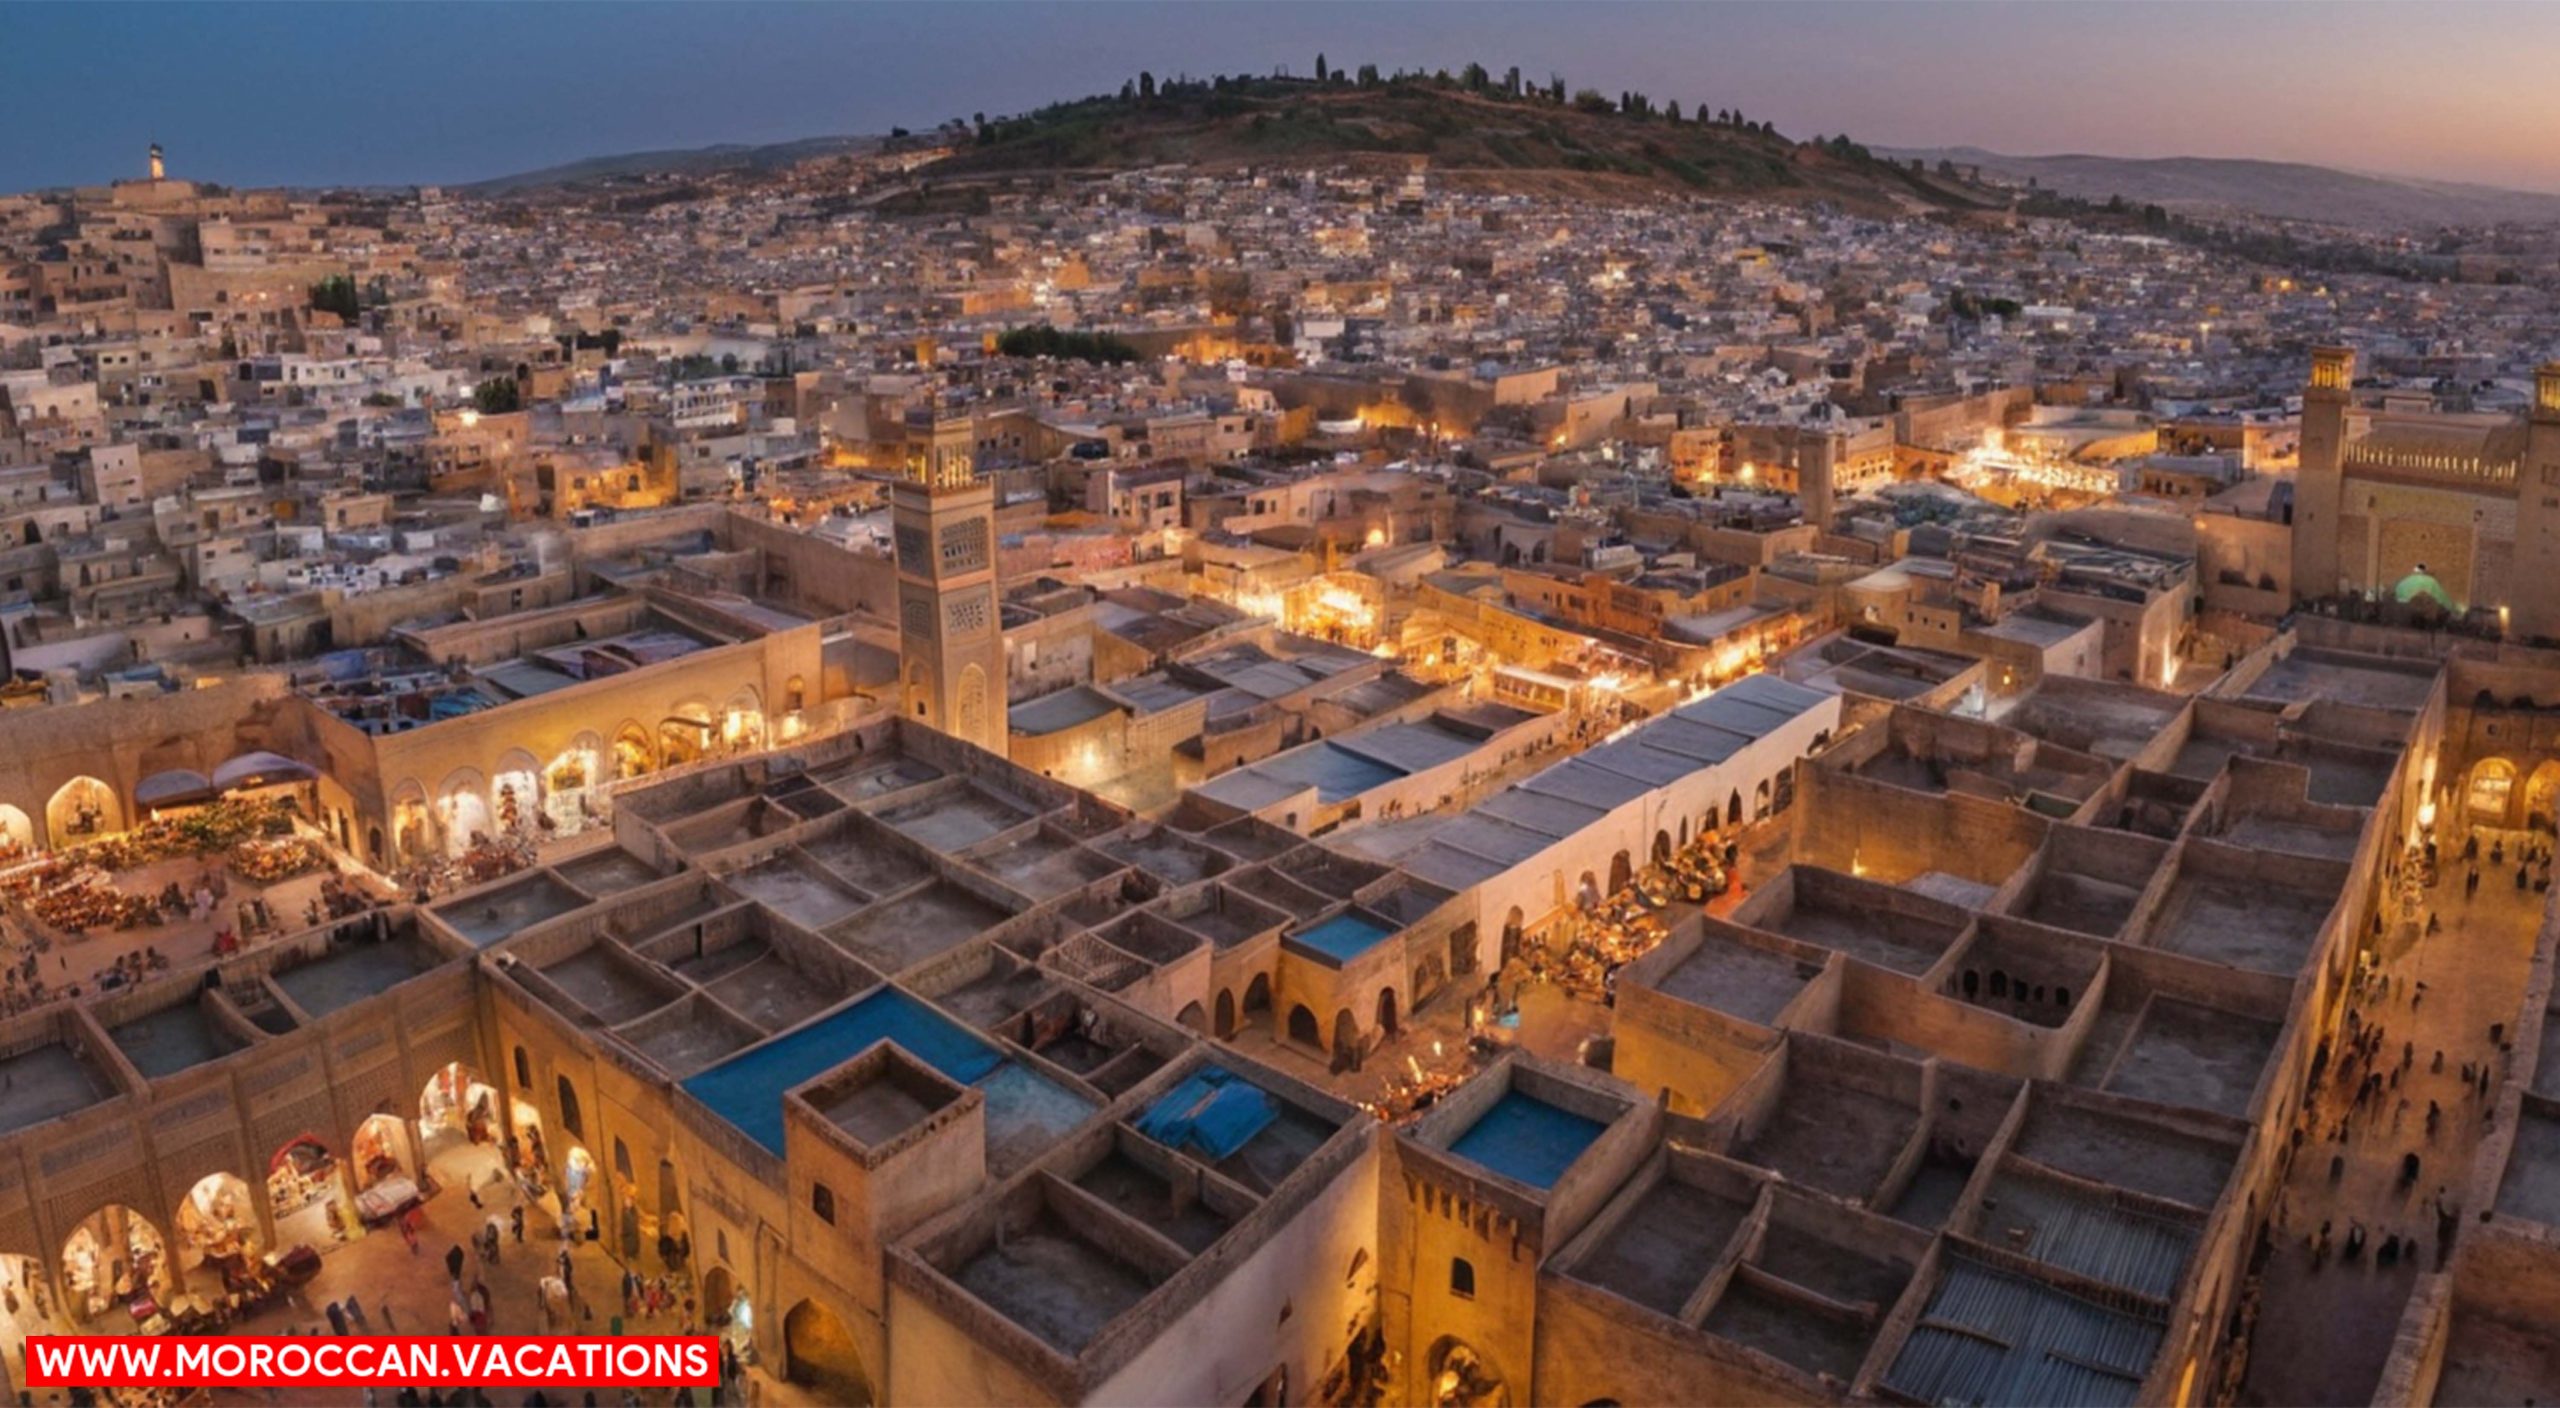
173,788
261,770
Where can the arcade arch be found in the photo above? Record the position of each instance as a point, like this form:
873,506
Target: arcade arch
82,809
113,1256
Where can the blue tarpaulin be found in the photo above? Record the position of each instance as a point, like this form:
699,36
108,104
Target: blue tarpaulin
747,1088
1214,1110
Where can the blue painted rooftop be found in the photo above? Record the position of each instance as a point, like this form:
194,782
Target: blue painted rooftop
1344,937
1527,1140
746,1090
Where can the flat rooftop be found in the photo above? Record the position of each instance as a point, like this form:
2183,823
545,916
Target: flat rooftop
1052,1281
2184,1054
1736,979
2253,926
1662,1249
172,1039
747,1088
2310,673
45,1083
348,974
1527,1140
1343,937
1988,1336
1828,1136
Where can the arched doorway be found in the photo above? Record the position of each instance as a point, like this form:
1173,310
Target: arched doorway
1191,1017
821,1355
684,735
462,809
307,1193
675,1235
458,1127
2490,794
1462,1378
1387,1012
413,836
1733,809
1662,849
1621,872
569,781
1226,1010
742,722
1257,998
1346,1040
1514,926
216,1233
1304,1029
28,1306
633,754
515,794
2542,797
113,1257
577,1193
1587,892
383,1151
82,809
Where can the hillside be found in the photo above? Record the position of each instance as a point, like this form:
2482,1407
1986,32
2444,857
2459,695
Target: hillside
695,161
1485,138
2277,189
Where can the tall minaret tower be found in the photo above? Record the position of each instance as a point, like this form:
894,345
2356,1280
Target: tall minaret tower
2531,589
950,638
159,168
2319,485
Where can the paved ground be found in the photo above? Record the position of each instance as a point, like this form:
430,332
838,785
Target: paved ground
2324,1333
80,958
406,1293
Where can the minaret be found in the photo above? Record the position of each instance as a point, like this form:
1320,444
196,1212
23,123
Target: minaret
159,168
2319,486
950,638
2530,586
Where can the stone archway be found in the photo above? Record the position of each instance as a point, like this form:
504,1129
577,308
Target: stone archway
307,1193
462,809
2489,793
742,722
1346,1040
634,755
217,1232
112,1256
1303,1027
83,809
2542,797
1461,1377
1226,1013
821,1355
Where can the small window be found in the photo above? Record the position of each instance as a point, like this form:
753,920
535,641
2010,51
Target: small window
822,1201
1462,1278
524,1069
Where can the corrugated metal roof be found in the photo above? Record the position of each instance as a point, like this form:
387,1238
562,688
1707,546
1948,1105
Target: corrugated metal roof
1991,1338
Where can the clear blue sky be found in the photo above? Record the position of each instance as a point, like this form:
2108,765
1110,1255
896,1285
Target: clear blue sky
396,93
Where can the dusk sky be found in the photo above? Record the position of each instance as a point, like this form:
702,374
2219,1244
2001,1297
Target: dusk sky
396,93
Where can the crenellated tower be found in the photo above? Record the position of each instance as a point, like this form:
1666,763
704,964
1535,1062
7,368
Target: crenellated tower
950,635
2319,485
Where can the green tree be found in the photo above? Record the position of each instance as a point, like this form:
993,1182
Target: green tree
1368,75
1592,100
1476,78
1146,85
337,294
1322,73
497,396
